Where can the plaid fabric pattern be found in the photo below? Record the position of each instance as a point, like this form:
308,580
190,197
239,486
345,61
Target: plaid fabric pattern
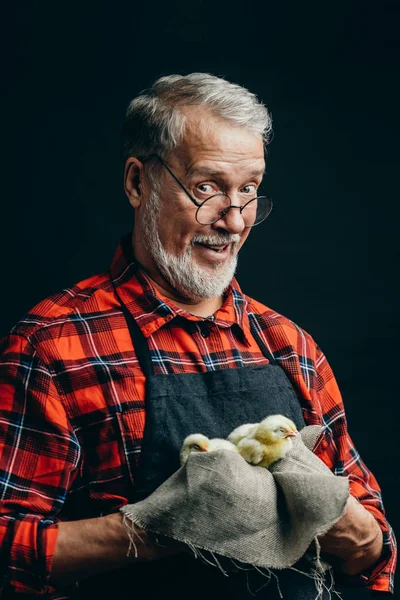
72,406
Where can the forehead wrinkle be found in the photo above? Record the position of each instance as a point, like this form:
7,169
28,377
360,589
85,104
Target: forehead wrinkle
219,174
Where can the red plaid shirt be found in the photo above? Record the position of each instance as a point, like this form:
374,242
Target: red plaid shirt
72,407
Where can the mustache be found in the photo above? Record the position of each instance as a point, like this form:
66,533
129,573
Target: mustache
216,239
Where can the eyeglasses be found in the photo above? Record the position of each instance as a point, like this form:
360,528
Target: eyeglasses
215,207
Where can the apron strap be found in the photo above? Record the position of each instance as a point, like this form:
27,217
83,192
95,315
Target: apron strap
263,347
139,343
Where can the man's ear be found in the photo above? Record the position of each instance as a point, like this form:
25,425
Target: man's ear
133,181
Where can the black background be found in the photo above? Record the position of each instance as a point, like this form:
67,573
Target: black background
327,257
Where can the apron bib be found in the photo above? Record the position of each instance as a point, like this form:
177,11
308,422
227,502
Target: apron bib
212,403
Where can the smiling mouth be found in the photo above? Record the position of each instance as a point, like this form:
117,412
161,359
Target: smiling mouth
217,249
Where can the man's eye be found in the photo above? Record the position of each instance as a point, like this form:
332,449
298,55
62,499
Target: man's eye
205,188
204,191
249,189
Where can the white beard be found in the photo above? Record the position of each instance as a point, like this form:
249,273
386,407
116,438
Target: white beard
189,279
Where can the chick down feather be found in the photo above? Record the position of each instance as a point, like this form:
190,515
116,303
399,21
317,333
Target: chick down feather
267,442
241,432
197,442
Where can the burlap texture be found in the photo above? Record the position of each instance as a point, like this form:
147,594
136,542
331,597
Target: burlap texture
268,518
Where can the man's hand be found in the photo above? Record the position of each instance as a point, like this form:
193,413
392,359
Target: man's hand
92,546
355,539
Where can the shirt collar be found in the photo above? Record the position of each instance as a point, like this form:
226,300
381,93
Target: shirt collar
152,310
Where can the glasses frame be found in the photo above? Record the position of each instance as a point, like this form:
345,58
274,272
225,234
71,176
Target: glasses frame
200,204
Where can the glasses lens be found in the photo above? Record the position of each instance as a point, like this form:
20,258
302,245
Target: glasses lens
255,211
213,209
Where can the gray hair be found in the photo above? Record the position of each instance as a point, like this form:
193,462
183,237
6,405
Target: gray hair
154,123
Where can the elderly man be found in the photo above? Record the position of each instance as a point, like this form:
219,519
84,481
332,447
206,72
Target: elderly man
102,382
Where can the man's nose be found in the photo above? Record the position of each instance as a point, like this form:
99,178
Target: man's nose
231,221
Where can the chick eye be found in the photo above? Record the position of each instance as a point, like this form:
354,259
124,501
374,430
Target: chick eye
196,447
282,430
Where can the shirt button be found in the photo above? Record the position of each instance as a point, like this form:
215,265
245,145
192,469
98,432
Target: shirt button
204,330
163,310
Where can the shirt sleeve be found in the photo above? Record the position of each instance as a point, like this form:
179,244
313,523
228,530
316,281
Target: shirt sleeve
38,454
338,452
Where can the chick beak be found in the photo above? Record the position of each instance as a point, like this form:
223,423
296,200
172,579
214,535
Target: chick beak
292,434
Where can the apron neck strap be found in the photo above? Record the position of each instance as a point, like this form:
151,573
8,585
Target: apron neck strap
261,344
139,342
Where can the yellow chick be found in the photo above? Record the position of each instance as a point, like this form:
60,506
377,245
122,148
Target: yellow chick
269,441
241,432
197,442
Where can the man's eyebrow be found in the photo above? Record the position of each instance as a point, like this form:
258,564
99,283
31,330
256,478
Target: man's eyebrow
215,173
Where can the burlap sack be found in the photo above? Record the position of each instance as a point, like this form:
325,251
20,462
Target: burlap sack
268,518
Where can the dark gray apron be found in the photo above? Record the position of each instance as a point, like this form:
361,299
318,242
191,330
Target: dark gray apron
212,403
